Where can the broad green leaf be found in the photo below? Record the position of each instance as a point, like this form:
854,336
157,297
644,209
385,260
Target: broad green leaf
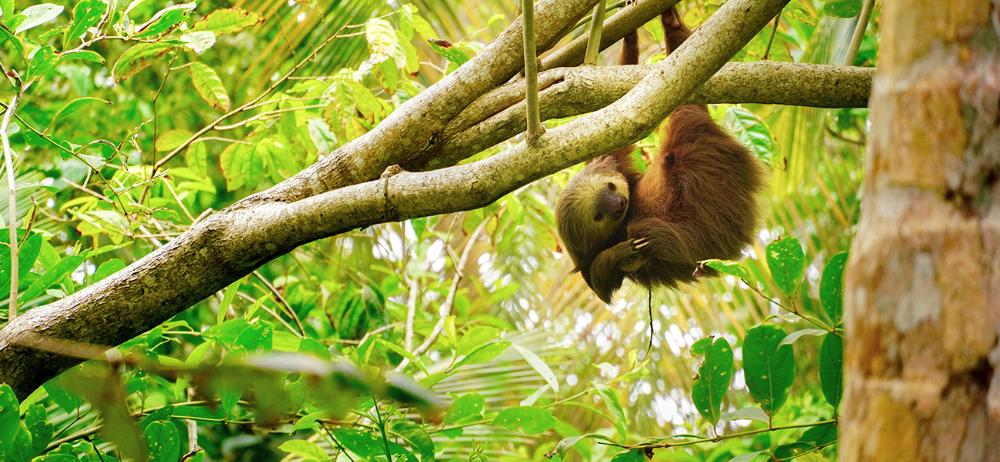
714,376
831,287
77,104
6,36
566,443
209,86
41,62
172,139
795,336
305,449
746,413
108,268
164,20
321,136
536,363
465,408
27,253
786,260
36,420
198,41
138,58
769,369
383,42
163,441
528,419
792,450
449,51
82,55
241,165
369,445
228,21
86,14
9,418
484,353
6,8
820,435
831,368
475,338
614,404
36,15
416,437
842,8
752,132
732,268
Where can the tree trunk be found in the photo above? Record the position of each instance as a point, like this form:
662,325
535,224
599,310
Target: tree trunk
922,290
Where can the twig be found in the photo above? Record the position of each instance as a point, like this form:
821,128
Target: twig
281,301
411,313
207,128
859,31
594,42
8,160
531,72
715,439
449,301
774,31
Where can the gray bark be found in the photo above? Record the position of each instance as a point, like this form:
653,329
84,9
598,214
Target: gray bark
230,244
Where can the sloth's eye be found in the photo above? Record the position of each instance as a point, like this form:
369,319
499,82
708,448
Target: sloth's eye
611,186
597,217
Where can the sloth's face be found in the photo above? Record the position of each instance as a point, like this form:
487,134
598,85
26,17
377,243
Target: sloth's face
591,209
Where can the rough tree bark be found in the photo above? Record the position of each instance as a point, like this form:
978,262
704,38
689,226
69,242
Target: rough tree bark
230,244
922,290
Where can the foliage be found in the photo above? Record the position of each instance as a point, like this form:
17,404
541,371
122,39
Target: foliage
455,337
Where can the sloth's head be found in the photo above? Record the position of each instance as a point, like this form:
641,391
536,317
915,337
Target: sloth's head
591,209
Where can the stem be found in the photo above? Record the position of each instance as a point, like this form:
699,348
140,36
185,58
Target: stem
381,429
716,439
774,31
859,31
594,42
531,72
8,159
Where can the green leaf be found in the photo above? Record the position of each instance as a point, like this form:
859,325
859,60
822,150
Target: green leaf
171,139
6,8
842,8
228,21
746,413
209,86
164,20
163,441
416,437
714,376
305,449
36,15
732,268
536,363
383,42
566,443
792,450
50,277
5,35
752,132
241,165
370,446
475,338
632,455
36,420
795,336
41,62
108,268
820,435
484,353
831,287
749,457
75,106
614,404
198,41
9,419
769,369
82,55
786,260
528,419
831,369
449,51
138,58
27,253
464,408
86,14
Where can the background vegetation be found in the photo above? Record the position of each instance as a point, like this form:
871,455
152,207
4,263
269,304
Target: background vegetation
501,354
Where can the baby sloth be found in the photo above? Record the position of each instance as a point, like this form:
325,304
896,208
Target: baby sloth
696,200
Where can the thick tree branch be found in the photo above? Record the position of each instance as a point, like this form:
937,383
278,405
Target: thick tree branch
232,243
413,126
497,115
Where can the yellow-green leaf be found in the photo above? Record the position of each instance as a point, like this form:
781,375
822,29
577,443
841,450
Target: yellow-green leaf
209,86
228,21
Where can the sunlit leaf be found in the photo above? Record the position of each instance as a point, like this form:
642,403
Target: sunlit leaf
842,8
751,131
307,450
786,261
539,365
769,369
36,15
163,441
227,21
209,85
831,286
465,408
714,376
528,419
138,58
86,14
76,105
795,336
164,20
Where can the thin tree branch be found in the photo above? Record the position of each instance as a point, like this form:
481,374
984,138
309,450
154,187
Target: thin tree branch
594,38
859,31
531,71
8,160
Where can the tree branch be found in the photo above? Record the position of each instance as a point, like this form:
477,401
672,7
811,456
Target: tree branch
498,115
232,243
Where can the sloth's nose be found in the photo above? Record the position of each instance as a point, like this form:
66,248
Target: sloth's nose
618,206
